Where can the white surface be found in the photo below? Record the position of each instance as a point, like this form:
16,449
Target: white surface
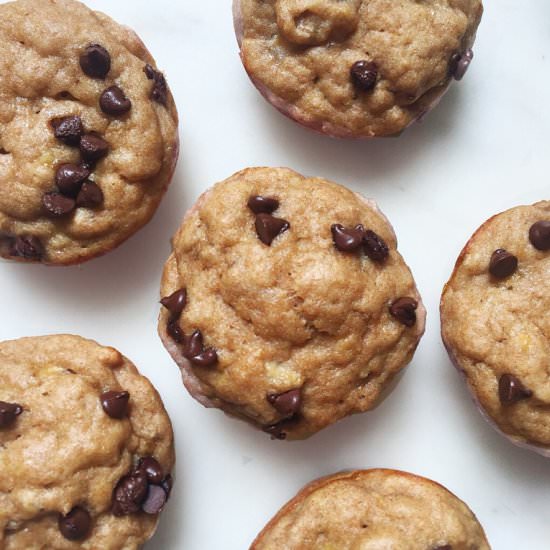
483,150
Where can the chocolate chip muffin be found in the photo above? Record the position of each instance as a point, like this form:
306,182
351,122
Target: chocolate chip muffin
286,303
88,132
373,510
496,326
86,447
352,68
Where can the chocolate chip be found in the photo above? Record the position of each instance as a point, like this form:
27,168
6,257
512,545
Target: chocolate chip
502,264
68,129
262,205
58,205
151,468
155,500
275,431
129,494
511,390
539,235
76,524
404,310
93,147
115,403
175,332
114,102
459,64
95,61
347,240
176,302
28,247
160,88
70,177
90,195
269,227
287,403
364,75
193,345
8,414
375,247
167,484
207,358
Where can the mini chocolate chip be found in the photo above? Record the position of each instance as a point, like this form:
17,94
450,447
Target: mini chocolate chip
113,101
8,414
275,431
539,235
375,247
160,88
155,500
129,494
207,358
193,345
347,239
502,264
364,75
76,524
115,403
90,195
175,332
459,64
404,310
93,147
151,468
262,205
167,484
68,129
176,302
58,205
70,177
511,390
28,247
269,227
287,403
95,61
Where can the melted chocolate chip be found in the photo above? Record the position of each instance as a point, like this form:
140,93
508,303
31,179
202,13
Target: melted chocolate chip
58,205
113,101
364,75
193,345
76,524
167,484
207,358
404,310
176,302
155,500
502,264
115,403
460,63
347,240
129,494
151,468
275,431
8,414
175,332
28,247
70,177
95,61
539,235
90,195
269,227
262,205
68,129
511,390
159,92
93,147
375,247
287,403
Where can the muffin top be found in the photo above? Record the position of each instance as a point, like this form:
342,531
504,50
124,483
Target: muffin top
88,132
353,68
86,447
280,310
496,325
373,510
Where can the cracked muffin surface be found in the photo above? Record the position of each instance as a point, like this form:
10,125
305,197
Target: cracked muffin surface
373,510
81,433
280,310
355,68
495,322
88,132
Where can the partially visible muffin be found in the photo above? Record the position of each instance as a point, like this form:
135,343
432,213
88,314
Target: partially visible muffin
373,510
88,132
496,326
286,303
86,447
349,68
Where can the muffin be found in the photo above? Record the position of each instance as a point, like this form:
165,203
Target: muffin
355,69
88,132
86,447
286,303
373,510
495,322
